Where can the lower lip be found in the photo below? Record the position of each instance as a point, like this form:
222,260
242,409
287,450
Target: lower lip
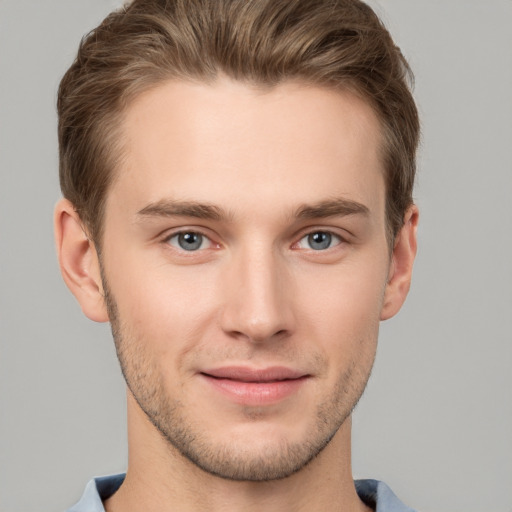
255,393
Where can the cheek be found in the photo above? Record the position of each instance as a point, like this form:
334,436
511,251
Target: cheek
343,304
163,305
172,308
348,289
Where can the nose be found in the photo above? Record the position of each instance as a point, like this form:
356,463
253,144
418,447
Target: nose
258,297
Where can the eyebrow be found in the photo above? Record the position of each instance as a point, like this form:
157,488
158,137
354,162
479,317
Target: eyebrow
323,209
172,208
331,208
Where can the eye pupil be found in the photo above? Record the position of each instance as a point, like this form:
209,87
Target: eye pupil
190,241
319,240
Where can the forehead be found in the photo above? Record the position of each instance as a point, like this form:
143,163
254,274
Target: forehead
245,147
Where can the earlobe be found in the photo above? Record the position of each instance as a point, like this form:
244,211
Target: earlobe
78,261
402,260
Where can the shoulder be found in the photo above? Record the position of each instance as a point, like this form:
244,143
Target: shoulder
378,495
97,490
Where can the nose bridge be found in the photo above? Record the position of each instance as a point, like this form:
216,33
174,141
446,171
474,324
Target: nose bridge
257,305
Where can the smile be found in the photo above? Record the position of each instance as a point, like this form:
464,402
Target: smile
247,386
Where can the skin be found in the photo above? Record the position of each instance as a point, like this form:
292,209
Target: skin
256,173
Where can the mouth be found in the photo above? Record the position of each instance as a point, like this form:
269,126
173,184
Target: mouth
254,386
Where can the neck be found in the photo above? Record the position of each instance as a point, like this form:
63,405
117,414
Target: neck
160,479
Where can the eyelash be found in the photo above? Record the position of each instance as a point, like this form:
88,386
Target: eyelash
183,232
332,237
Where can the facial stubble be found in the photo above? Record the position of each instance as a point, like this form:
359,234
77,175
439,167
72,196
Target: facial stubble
228,460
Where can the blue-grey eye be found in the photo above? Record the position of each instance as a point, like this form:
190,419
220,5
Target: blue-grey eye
319,241
189,241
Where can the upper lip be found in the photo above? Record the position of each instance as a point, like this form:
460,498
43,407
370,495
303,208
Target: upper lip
245,374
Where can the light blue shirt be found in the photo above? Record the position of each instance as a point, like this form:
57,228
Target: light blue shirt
374,493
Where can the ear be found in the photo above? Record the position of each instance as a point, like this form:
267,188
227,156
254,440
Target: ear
400,270
78,261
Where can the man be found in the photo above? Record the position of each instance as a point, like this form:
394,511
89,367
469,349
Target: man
237,179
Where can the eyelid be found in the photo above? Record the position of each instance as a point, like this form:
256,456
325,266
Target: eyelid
335,239
343,236
181,230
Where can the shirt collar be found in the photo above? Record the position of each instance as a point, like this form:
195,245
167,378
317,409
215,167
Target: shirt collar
374,493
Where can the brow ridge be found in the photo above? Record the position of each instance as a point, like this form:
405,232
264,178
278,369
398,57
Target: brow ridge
331,208
322,209
171,208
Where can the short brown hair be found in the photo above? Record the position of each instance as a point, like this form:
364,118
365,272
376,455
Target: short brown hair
334,43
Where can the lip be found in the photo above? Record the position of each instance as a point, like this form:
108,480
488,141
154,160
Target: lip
255,386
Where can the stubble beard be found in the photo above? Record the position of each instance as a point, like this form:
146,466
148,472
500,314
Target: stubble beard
228,460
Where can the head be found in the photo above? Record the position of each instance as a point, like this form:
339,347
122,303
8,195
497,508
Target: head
238,177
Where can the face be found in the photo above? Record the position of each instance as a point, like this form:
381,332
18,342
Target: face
245,263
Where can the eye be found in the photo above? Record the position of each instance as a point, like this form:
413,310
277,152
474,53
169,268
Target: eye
189,241
319,241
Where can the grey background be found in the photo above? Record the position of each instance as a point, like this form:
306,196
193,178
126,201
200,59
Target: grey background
436,421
